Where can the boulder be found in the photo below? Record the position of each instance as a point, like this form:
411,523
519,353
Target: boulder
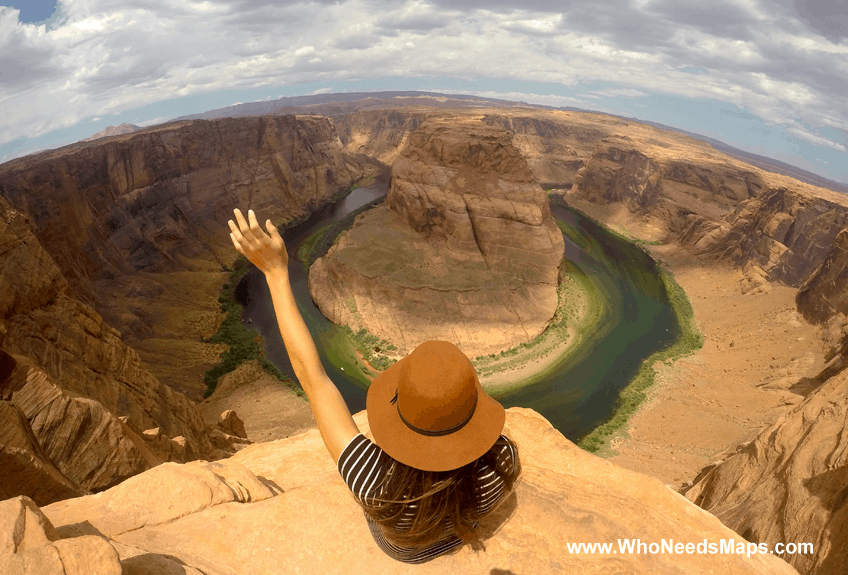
30,545
281,507
232,424
91,446
24,467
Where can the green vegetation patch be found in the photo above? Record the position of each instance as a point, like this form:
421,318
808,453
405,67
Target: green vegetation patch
373,349
246,345
318,244
579,308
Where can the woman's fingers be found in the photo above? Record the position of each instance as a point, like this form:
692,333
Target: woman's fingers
235,242
244,227
272,230
254,225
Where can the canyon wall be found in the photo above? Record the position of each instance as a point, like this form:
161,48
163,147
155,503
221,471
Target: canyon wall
155,200
379,134
791,483
107,243
788,484
78,397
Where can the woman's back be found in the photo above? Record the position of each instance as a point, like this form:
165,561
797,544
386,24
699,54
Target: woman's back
413,514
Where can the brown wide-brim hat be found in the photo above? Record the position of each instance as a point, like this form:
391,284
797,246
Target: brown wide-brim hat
430,412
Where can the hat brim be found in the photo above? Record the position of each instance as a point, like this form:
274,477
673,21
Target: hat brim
430,453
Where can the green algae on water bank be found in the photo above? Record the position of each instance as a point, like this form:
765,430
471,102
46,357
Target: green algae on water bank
569,325
634,395
580,306
244,344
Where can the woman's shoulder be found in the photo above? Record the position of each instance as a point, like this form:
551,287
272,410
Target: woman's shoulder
360,452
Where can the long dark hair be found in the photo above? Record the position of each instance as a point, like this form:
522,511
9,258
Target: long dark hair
442,496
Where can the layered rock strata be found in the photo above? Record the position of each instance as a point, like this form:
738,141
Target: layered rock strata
157,200
554,145
379,134
464,248
824,294
96,225
24,466
247,512
791,483
90,445
84,395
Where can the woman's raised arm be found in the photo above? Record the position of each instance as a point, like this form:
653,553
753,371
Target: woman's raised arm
268,253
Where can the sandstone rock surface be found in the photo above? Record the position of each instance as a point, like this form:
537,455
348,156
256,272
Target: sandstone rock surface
24,467
232,424
72,378
30,545
786,233
91,446
380,134
716,204
157,200
464,248
247,514
790,483
824,294
110,225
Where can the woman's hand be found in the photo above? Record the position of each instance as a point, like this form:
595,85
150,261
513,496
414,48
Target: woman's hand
266,253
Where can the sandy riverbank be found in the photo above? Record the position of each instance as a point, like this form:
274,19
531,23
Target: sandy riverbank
756,347
519,367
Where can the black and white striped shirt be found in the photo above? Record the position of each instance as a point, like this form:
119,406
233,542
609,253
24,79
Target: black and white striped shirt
362,465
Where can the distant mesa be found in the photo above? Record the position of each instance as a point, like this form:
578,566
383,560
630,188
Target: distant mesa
114,131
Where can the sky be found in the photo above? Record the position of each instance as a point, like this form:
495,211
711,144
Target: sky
767,76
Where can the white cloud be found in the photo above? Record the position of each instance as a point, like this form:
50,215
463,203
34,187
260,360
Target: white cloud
322,91
620,93
109,56
812,138
543,25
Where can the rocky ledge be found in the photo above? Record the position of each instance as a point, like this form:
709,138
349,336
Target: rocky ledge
281,507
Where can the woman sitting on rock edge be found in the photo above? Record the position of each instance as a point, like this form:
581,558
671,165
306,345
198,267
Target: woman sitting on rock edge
439,461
